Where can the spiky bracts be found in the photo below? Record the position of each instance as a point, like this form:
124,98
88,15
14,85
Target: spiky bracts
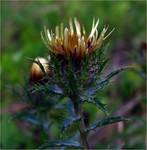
68,48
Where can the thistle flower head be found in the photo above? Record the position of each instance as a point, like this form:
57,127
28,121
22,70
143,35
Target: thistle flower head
73,41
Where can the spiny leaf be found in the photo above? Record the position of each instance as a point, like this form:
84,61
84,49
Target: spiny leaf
97,103
33,119
115,72
101,54
46,87
37,88
69,122
61,144
101,84
106,121
102,65
105,81
56,89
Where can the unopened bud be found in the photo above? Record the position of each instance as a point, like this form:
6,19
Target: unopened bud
37,73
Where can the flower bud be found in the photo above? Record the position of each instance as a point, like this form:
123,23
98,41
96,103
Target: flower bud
37,73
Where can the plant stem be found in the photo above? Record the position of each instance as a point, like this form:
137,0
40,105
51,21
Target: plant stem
83,134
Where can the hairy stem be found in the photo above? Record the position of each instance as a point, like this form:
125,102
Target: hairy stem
83,134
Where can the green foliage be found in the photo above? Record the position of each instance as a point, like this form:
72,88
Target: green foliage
66,82
102,83
98,104
21,25
106,121
12,134
67,123
61,144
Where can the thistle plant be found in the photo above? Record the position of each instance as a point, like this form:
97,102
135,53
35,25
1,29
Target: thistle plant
70,76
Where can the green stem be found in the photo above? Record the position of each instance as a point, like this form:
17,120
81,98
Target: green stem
83,134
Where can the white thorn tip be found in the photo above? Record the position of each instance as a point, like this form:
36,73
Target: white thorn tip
109,33
71,26
78,28
49,35
94,29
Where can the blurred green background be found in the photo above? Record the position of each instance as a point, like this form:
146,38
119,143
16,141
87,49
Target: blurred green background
21,24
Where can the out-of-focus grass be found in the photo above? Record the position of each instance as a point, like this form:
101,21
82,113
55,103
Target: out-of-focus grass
21,23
